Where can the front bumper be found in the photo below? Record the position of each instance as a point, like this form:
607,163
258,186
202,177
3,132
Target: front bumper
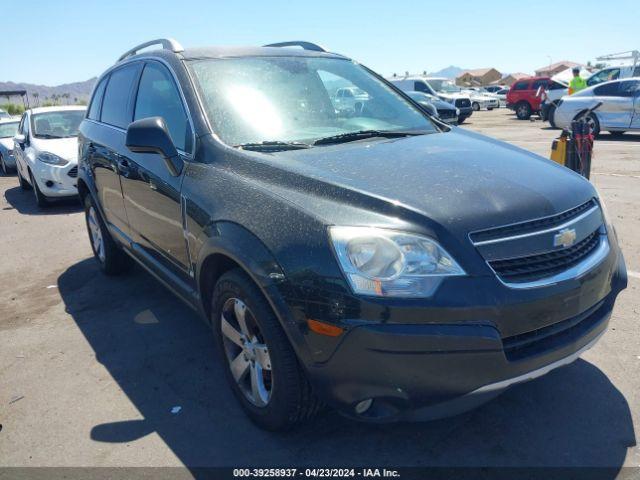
55,181
465,112
433,370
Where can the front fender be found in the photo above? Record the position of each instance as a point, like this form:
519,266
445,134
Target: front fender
247,250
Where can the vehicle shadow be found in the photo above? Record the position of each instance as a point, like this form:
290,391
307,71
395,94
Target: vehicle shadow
24,202
627,137
161,355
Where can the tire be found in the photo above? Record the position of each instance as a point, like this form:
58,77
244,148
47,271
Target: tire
110,257
269,382
523,110
475,106
595,124
551,116
41,199
24,185
3,166
617,133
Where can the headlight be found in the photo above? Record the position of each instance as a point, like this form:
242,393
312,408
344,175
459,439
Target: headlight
457,112
386,263
51,159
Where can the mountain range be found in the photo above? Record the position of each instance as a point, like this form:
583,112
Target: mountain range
78,91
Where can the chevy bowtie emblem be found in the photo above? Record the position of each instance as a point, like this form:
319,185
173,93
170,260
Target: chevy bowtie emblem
565,237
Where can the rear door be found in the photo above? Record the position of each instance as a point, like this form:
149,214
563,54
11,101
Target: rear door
635,119
151,193
104,135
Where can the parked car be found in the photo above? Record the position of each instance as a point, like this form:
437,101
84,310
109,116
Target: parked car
551,95
350,99
46,151
613,73
443,110
481,99
495,88
619,112
422,84
524,96
4,114
8,128
329,252
502,96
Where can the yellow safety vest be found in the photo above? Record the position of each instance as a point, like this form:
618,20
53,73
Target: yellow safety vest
576,84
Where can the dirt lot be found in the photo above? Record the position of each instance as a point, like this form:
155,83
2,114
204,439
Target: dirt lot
91,367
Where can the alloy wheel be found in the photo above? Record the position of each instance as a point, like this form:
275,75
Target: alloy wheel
246,352
96,234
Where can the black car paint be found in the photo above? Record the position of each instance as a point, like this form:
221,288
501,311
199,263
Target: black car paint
269,214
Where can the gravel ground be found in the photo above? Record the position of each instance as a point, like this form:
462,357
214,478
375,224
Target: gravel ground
91,367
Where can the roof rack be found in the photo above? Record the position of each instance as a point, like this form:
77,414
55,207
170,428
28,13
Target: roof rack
167,44
299,43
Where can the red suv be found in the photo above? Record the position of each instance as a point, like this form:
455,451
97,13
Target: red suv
522,96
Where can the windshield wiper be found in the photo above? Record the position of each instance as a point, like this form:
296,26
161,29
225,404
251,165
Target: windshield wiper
273,146
361,134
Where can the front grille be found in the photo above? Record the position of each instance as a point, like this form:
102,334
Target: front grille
462,102
523,345
536,267
73,173
532,225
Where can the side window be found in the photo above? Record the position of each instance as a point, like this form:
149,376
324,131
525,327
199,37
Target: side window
520,85
117,96
420,87
539,83
608,89
629,88
158,97
96,101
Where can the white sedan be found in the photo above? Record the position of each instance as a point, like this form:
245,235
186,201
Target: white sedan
46,151
619,112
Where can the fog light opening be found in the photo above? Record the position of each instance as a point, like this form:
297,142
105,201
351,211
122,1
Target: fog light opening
363,406
49,183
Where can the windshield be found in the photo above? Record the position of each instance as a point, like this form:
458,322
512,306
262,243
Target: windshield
61,124
298,99
8,130
449,87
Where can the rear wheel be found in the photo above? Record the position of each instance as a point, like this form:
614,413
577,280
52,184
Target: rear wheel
260,364
41,198
523,110
108,254
3,166
551,116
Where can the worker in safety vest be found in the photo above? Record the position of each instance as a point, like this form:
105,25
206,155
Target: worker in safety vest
577,83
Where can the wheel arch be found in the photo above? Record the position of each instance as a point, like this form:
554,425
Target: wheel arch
229,246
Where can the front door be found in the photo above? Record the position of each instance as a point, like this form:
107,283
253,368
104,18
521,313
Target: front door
151,193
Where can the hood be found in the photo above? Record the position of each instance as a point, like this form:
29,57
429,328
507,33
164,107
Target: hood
461,180
7,143
66,148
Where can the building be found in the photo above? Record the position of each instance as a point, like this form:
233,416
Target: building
551,70
478,77
511,78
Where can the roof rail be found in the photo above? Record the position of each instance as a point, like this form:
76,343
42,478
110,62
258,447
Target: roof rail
167,44
299,43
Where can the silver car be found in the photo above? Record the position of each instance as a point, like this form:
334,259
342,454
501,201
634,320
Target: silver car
8,128
619,112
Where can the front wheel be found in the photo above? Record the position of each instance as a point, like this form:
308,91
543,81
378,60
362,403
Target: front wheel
260,364
41,199
594,124
475,106
108,254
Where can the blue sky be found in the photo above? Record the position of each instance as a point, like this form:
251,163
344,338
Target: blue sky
72,40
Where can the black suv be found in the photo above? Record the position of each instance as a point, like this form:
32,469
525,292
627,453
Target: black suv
367,257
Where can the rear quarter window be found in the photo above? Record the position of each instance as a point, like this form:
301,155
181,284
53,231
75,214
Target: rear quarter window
96,101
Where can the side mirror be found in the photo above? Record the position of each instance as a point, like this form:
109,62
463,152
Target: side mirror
20,139
150,135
